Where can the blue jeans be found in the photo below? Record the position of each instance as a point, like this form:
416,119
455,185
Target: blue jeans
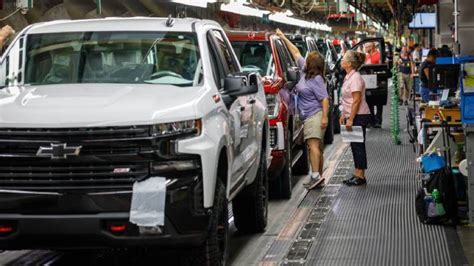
425,94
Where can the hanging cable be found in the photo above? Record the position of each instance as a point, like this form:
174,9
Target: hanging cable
327,11
8,16
310,9
282,3
351,20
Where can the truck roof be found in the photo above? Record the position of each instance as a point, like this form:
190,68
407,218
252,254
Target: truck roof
118,24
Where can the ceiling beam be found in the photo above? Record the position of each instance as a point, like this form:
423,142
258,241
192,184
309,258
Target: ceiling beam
367,11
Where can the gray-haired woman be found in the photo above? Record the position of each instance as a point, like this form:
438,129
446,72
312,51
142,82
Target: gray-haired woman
355,112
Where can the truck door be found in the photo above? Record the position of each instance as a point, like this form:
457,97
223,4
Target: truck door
12,64
375,73
332,55
286,61
311,44
241,110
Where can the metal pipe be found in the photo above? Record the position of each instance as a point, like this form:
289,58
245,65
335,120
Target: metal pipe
98,8
390,6
456,14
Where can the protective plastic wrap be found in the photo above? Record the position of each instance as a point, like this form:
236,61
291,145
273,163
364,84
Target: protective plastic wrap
148,202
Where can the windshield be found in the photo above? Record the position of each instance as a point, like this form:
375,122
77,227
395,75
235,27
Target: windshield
114,57
341,49
254,56
301,46
322,47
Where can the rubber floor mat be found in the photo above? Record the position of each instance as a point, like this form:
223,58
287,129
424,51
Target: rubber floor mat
376,224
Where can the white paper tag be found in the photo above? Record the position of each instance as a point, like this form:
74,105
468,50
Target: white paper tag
148,202
356,135
370,81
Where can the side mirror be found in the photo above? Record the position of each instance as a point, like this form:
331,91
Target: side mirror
240,84
293,74
233,83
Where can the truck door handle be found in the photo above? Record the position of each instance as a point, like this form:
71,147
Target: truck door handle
251,101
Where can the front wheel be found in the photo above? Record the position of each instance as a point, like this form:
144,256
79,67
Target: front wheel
301,167
282,185
329,134
250,207
214,250
335,120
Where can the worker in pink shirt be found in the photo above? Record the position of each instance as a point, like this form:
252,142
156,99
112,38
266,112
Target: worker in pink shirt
355,112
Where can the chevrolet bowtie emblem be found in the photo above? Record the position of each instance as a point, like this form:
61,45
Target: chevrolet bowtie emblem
58,151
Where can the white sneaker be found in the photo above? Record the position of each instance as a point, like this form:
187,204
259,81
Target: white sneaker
314,182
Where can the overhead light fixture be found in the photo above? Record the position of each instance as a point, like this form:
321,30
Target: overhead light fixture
244,10
197,3
284,19
239,7
289,13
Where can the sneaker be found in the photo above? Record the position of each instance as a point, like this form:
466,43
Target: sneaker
349,180
314,183
357,181
310,182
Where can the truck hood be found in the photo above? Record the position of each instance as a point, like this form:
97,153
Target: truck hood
96,105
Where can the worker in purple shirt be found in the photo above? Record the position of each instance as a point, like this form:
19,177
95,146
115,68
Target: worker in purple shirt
313,107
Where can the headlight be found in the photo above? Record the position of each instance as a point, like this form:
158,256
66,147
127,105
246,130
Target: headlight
273,104
182,127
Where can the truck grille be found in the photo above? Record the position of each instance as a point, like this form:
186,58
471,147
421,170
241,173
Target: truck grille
72,134
108,156
27,150
66,174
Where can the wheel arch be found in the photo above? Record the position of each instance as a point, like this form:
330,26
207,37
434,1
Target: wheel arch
222,172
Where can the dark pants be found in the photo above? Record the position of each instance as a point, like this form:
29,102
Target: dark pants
425,94
358,149
375,117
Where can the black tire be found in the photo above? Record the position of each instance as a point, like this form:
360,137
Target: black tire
301,167
215,250
335,120
329,134
283,184
250,207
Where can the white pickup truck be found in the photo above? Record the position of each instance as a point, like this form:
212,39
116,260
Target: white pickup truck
88,108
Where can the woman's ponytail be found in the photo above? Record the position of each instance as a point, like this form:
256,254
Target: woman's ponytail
361,58
354,58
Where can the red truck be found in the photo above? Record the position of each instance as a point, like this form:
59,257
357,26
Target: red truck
267,53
